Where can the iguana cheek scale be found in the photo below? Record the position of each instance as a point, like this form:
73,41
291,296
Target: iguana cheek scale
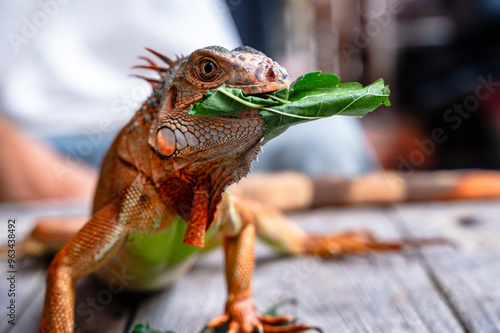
160,198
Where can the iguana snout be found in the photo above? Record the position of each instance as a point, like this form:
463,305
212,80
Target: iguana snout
255,73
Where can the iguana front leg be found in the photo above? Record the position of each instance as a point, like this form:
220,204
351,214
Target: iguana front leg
241,314
89,249
96,244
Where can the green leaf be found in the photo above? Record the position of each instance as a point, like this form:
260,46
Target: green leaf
144,328
312,96
273,310
226,101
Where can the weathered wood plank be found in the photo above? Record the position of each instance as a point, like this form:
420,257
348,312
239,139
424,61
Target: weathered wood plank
387,292
384,292
190,301
30,278
469,274
29,320
100,308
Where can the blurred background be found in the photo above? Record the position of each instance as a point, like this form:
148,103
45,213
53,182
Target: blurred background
64,90
440,58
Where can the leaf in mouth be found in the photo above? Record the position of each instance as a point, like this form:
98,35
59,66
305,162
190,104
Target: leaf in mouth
312,96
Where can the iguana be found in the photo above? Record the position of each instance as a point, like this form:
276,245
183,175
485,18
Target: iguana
163,195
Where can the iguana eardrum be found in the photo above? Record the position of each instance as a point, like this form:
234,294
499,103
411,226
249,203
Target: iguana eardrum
162,195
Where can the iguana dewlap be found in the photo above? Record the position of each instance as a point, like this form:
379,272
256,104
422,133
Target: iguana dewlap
161,189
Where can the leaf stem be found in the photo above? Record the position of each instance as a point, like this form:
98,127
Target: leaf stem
249,104
281,100
263,107
292,115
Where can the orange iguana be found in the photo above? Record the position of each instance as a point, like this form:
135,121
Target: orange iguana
162,195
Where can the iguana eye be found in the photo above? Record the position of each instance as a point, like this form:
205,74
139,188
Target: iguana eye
207,70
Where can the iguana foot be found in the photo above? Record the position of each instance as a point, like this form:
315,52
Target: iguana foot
358,242
242,317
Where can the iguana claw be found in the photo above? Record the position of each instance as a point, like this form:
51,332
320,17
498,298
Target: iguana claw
243,318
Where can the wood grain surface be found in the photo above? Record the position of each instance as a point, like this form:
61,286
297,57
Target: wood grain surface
433,289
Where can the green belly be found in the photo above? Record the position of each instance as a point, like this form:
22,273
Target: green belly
164,246
153,261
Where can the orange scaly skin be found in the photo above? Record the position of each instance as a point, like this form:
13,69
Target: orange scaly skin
165,164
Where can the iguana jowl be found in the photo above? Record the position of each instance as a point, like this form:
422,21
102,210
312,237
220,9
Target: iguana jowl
162,187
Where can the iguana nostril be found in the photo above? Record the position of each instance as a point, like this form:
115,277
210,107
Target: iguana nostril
165,141
272,74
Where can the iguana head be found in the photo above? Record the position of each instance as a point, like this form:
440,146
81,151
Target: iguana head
210,153
181,137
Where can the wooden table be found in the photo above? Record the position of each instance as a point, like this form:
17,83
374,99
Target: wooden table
433,289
